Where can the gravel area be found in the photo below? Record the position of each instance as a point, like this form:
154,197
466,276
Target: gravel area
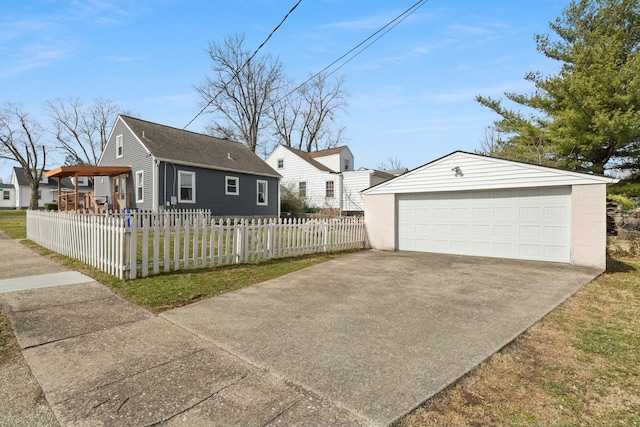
22,402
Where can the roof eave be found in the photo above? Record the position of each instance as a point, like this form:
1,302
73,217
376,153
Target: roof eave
220,168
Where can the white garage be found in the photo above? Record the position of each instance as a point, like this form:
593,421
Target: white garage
475,205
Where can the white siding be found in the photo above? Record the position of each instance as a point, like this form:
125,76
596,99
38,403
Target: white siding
296,169
335,162
11,202
480,172
353,183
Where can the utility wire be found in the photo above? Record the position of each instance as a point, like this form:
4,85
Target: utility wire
388,26
243,65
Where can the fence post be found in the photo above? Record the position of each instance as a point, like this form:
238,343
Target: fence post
133,247
325,237
239,233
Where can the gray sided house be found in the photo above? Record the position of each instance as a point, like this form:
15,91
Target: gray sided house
177,169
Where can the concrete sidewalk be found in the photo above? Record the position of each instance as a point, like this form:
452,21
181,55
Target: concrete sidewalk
103,361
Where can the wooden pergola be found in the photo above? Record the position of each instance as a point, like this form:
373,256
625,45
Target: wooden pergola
72,200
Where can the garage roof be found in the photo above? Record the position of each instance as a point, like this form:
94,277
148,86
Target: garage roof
462,171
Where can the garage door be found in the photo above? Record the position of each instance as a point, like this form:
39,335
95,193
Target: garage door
533,224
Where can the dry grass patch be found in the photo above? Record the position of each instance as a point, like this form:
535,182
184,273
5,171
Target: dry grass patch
580,365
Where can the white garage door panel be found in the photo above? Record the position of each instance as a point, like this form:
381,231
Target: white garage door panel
521,223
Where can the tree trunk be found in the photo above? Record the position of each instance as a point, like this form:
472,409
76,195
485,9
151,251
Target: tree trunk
33,201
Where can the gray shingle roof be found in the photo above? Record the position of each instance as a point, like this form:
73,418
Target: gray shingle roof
182,146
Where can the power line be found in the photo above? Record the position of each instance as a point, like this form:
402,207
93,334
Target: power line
388,26
243,65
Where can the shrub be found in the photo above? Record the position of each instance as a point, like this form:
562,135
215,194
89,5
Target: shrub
290,200
50,206
624,203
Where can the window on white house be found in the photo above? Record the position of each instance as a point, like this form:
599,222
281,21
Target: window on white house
346,164
280,163
139,186
6,195
329,189
186,187
262,192
302,189
232,186
119,146
83,181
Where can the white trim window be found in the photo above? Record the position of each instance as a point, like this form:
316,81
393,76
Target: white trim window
139,186
302,189
186,187
119,146
6,195
263,196
232,186
280,163
330,193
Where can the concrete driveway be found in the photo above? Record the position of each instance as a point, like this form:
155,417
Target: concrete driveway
378,333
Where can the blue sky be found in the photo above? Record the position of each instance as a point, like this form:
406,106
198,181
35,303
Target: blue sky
411,94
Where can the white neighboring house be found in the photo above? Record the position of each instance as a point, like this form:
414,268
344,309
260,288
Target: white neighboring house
47,190
326,178
7,196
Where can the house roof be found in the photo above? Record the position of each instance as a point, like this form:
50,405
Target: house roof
462,171
181,146
328,151
396,172
309,157
22,180
6,185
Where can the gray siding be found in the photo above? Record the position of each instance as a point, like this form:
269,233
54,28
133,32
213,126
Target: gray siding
210,191
135,156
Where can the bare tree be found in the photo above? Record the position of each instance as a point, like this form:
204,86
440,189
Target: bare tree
81,131
240,89
390,164
305,118
19,141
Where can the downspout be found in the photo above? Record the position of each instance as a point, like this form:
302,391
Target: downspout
341,192
154,187
279,195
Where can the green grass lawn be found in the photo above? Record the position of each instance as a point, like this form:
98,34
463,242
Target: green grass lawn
14,223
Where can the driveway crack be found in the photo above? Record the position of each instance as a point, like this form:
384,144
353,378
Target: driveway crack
200,401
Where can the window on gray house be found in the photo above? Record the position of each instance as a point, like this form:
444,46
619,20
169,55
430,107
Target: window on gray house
232,185
187,187
262,192
140,187
119,146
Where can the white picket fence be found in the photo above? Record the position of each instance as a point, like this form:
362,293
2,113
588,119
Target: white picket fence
139,245
99,241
